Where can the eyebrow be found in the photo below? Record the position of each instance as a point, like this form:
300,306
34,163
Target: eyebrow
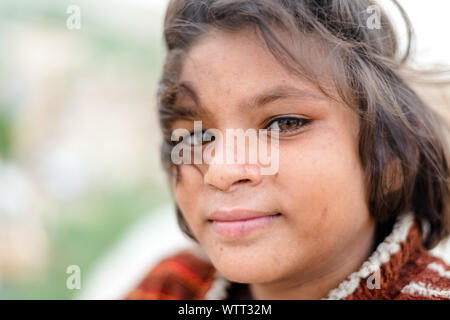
268,96
184,110
281,92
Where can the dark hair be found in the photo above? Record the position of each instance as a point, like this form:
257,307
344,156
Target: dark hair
402,141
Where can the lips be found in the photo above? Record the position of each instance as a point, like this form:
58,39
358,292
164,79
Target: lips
240,223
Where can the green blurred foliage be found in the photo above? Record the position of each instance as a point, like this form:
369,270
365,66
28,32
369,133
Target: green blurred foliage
89,226
6,133
87,229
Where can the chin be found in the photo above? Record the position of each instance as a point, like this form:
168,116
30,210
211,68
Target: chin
247,270
247,275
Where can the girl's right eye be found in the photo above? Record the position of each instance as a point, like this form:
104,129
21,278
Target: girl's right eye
198,138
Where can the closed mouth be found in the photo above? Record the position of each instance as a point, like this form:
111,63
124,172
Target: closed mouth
234,227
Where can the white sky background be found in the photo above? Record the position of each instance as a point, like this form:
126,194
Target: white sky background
431,23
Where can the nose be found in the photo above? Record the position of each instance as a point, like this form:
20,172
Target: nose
225,177
232,164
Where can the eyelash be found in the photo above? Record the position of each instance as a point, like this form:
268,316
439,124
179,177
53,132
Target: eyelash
191,135
298,119
272,121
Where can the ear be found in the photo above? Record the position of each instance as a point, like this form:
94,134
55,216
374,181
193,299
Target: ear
393,177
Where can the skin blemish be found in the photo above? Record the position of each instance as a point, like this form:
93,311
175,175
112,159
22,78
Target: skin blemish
323,214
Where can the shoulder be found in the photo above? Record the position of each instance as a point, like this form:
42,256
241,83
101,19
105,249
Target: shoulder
401,268
187,274
428,277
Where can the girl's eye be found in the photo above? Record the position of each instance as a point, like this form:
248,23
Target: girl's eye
198,138
287,124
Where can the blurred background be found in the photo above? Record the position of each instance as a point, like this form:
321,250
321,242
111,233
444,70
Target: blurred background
80,178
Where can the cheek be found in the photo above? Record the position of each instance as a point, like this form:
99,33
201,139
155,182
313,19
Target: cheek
187,191
325,191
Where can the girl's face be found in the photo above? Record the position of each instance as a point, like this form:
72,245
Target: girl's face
311,217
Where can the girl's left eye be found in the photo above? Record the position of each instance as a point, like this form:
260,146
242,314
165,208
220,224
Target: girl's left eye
287,124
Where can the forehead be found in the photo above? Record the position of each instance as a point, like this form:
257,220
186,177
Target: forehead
233,65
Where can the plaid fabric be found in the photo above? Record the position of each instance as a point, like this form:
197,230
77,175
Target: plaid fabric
182,276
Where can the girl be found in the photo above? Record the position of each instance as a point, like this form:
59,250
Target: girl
361,191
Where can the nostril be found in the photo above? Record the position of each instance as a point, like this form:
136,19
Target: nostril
243,180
